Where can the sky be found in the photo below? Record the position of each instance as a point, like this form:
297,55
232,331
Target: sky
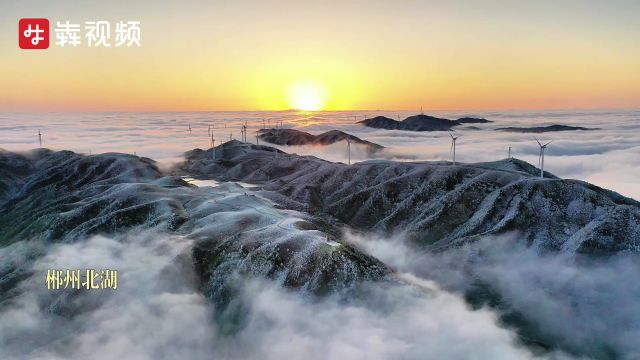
332,55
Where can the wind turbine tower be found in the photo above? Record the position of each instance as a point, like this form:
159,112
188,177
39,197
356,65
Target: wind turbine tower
40,137
349,149
543,147
453,146
213,148
509,155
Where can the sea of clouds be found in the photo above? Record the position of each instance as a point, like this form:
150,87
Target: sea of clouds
609,157
158,313
587,307
583,308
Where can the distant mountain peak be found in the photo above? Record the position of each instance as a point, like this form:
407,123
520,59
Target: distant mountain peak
297,137
420,122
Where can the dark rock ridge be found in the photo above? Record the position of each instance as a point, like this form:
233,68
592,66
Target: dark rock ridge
419,123
297,137
64,197
67,194
541,129
472,120
437,205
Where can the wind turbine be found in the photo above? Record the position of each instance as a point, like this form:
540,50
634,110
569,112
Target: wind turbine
189,128
453,146
40,137
349,149
213,148
541,156
509,155
257,133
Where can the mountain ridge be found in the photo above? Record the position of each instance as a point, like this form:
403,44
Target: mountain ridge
296,137
420,122
436,204
542,129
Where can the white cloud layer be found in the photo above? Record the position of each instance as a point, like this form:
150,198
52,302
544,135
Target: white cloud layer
589,307
609,157
157,313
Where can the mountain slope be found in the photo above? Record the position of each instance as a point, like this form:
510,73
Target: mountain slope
436,204
297,137
66,197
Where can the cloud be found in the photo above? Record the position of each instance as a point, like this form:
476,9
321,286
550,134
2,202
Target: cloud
157,313
390,322
589,307
603,156
607,157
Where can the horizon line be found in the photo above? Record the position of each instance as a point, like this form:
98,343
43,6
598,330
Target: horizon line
418,111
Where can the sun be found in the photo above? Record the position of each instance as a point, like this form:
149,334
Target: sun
307,95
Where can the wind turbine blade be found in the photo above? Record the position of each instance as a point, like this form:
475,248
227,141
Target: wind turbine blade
548,143
538,141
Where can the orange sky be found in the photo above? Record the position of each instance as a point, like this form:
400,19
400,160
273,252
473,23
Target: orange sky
244,55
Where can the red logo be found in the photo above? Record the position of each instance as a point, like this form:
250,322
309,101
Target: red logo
33,33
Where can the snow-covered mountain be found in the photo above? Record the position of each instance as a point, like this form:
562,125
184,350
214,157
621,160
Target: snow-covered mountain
284,221
65,197
436,204
297,137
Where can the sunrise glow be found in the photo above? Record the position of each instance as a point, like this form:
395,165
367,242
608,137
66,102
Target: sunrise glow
308,95
520,55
